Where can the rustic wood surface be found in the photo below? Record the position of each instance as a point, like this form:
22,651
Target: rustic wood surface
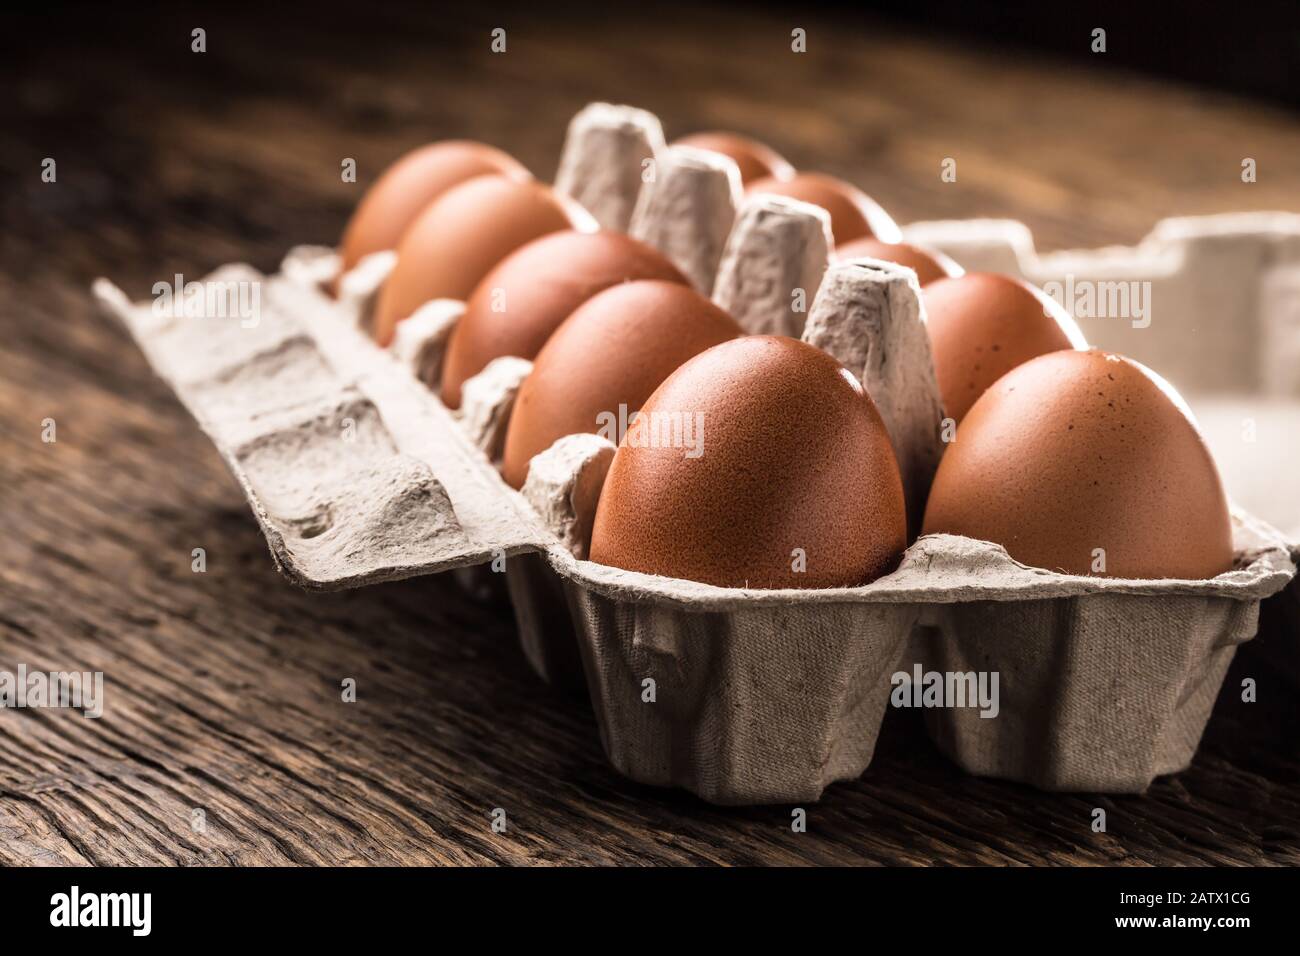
223,687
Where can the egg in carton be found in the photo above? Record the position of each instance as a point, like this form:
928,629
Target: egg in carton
759,696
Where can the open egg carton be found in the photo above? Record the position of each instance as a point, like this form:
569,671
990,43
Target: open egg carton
357,473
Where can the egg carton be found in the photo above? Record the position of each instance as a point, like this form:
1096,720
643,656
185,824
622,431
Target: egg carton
357,473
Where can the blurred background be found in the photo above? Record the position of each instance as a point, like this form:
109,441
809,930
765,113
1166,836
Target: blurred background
1087,148
174,161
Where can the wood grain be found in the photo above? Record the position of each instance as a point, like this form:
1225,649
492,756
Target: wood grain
223,688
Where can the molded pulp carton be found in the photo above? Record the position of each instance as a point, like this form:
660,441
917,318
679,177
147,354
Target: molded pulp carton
357,473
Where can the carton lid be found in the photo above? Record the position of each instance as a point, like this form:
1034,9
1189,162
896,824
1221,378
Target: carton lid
354,469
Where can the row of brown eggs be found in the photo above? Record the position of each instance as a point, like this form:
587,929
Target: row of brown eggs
1065,454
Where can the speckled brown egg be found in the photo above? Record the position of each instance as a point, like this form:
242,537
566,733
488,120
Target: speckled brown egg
1074,452
407,186
853,213
756,458
928,264
755,160
461,235
517,306
613,351
982,325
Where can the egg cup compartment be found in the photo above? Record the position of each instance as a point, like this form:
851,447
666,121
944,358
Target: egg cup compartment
1098,693
739,699
1104,684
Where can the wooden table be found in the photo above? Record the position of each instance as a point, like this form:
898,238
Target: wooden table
223,688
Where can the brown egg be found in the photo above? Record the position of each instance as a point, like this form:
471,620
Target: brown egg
613,351
410,184
462,234
853,213
928,264
755,160
517,306
750,455
1078,451
982,325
